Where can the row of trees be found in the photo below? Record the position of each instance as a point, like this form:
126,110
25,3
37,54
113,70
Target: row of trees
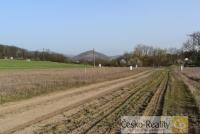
19,53
144,55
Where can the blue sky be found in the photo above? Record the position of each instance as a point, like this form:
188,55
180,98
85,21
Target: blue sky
109,26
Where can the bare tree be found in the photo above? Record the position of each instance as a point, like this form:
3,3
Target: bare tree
196,38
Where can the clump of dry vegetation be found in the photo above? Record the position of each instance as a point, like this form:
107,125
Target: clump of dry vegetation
21,84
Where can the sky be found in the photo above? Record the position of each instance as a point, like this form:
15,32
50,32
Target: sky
110,26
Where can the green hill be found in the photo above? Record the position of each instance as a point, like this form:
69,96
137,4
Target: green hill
88,56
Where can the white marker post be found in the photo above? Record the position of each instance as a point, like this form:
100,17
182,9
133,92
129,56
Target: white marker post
181,67
131,68
136,66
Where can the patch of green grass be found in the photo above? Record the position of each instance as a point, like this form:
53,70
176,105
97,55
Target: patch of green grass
178,99
23,64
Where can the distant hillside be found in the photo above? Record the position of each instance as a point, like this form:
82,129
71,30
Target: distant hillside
7,51
88,56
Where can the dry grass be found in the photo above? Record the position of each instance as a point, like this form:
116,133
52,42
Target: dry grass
21,84
192,73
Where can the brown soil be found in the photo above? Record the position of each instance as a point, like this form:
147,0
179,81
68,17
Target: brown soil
18,115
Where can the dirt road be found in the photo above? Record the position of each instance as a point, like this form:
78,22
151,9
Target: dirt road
19,115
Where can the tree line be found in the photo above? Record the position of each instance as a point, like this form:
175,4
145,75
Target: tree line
144,55
20,53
